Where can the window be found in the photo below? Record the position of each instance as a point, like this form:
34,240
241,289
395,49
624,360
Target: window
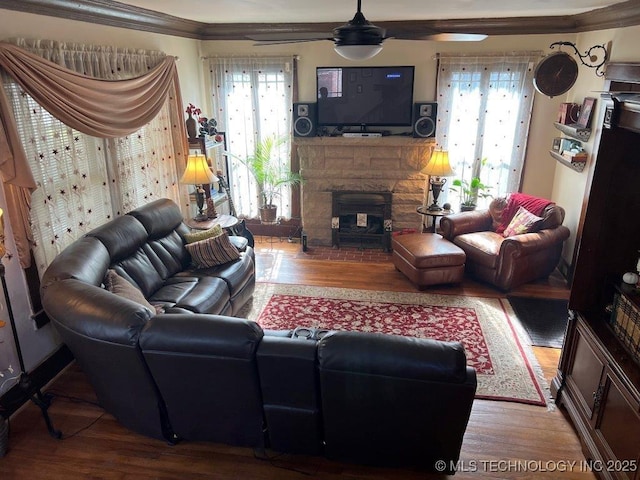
83,181
253,100
484,108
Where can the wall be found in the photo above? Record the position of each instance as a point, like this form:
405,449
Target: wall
569,186
538,179
38,344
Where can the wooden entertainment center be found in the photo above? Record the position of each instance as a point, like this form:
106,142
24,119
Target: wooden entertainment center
598,379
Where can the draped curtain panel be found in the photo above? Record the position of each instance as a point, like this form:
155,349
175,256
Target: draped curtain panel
253,98
484,109
103,132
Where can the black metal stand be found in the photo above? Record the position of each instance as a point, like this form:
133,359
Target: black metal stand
34,393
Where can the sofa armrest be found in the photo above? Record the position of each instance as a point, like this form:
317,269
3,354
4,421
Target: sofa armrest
240,243
529,256
465,222
529,243
94,312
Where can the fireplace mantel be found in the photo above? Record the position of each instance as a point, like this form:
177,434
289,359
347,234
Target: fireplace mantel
382,164
386,141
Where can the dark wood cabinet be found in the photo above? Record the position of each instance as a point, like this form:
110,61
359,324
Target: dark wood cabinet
598,379
584,375
603,405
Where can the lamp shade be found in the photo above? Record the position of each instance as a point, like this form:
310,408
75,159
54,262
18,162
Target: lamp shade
438,165
358,52
197,171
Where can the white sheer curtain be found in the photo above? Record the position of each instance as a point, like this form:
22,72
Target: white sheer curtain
252,98
144,165
85,181
484,108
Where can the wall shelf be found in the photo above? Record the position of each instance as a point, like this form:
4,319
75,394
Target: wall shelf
578,133
577,166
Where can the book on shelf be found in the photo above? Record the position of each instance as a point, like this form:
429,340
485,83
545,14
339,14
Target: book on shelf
574,157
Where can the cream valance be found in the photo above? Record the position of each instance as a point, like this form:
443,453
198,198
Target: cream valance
100,108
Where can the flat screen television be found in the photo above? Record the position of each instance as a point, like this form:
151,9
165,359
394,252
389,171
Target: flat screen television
365,96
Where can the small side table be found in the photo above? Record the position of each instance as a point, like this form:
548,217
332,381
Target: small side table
225,221
232,224
434,214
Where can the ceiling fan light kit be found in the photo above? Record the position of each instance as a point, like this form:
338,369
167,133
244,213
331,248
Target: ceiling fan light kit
358,52
359,39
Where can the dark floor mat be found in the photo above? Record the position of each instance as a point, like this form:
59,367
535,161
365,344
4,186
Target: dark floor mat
544,319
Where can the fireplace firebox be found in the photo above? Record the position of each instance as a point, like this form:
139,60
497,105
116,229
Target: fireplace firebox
361,219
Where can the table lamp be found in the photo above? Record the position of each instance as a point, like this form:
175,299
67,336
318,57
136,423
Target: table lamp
198,173
437,167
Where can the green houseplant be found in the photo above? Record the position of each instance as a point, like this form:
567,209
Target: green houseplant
469,192
270,174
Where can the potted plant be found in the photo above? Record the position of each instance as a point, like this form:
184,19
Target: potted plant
270,175
469,192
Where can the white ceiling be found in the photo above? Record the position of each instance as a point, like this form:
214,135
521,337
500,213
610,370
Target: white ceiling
341,11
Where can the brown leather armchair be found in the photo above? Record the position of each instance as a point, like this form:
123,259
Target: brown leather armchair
511,261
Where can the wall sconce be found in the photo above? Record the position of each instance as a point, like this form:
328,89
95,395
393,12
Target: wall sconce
438,166
592,54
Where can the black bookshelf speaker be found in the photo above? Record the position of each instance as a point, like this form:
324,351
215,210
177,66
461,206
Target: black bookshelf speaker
424,119
304,120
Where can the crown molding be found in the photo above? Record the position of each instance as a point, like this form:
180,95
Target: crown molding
624,14
116,14
107,12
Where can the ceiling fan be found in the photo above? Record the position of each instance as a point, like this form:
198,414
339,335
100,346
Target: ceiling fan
358,39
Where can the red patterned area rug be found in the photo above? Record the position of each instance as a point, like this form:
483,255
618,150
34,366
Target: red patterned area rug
506,366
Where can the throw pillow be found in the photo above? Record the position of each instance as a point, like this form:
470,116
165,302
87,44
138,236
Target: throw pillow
192,237
122,287
533,204
522,222
212,251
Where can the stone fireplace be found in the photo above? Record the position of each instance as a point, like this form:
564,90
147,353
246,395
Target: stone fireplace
372,164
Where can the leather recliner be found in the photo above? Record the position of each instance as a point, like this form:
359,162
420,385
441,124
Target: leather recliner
512,261
394,401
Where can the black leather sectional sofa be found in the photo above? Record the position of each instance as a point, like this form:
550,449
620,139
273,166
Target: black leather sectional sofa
195,372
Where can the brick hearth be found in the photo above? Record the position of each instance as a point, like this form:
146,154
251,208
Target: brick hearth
363,164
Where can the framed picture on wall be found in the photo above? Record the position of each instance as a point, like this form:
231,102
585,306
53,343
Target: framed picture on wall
584,120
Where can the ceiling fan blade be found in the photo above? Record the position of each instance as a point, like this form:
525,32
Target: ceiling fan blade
287,42
289,37
440,37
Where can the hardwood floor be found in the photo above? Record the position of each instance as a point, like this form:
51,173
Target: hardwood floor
503,439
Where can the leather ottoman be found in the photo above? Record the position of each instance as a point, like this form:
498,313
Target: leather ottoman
428,259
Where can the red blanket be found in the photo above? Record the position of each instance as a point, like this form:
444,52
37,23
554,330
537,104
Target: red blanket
535,205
